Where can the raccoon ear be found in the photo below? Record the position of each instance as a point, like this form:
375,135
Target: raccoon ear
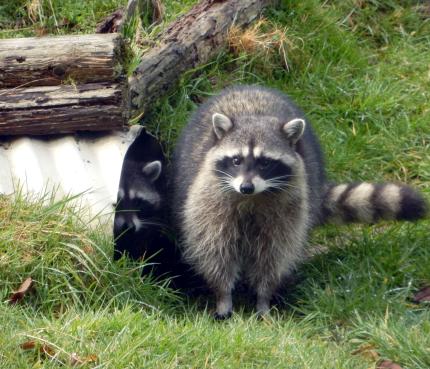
152,170
222,124
294,129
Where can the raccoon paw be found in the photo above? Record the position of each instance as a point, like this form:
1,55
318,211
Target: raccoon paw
224,316
262,315
263,307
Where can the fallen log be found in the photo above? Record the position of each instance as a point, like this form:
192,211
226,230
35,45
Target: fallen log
77,84
48,61
78,78
61,109
189,41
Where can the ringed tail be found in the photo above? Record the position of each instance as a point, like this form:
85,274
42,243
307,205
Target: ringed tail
368,203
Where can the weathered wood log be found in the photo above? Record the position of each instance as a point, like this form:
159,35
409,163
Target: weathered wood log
190,41
61,109
92,62
48,61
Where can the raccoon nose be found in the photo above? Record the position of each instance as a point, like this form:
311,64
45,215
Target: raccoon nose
123,225
125,229
247,188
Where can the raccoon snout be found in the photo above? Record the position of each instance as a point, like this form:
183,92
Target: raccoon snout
126,228
123,225
247,188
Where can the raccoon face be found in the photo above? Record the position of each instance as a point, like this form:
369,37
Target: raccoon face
138,200
254,156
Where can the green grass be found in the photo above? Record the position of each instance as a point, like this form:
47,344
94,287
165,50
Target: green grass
53,16
24,18
360,70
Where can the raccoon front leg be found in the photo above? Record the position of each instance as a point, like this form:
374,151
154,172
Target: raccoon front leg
218,265
224,304
265,286
221,276
210,245
270,264
220,273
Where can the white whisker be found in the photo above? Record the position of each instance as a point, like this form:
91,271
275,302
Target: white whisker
225,173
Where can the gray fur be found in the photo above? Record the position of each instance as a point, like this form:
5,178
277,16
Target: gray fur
225,235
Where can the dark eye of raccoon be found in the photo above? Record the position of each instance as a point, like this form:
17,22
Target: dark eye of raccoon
237,160
263,163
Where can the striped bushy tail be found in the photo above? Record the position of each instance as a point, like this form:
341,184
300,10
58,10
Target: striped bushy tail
367,203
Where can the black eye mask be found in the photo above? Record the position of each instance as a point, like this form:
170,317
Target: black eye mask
273,169
265,167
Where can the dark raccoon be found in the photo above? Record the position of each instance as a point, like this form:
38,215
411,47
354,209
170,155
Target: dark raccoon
140,216
249,184
141,228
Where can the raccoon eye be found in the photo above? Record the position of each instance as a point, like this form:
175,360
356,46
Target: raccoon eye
237,160
263,163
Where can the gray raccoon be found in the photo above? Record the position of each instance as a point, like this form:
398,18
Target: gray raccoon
248,186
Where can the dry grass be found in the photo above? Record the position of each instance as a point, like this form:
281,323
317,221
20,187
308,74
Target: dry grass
263,39
34,10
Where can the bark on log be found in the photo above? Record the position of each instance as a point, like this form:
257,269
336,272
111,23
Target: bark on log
61,109
191,40
48,61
